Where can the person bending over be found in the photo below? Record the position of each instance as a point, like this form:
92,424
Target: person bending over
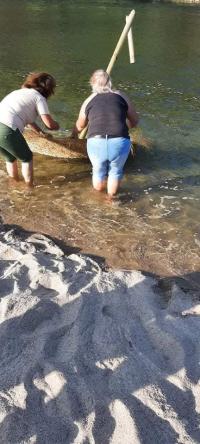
18,109
109,115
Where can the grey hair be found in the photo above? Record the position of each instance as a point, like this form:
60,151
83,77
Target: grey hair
100,82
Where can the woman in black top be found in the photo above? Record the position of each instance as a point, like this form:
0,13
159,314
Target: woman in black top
109,115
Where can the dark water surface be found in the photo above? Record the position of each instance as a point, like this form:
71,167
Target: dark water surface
155,224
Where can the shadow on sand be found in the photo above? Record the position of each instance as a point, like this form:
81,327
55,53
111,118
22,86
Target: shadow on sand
81,346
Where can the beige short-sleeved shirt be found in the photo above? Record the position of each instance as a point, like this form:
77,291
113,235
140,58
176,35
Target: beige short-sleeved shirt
21,107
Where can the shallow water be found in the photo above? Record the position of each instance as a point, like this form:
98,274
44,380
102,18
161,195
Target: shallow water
154,224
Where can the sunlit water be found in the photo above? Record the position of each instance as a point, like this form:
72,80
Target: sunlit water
154,224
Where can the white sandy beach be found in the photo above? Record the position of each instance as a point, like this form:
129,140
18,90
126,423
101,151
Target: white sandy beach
93,357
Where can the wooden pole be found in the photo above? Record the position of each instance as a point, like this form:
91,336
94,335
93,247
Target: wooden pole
121,41
115,54
130,45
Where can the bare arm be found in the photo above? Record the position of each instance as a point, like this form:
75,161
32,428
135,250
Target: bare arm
38,130
132,115
80,124
49,122
82,120
35,128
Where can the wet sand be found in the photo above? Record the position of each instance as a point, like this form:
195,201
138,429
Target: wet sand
152,226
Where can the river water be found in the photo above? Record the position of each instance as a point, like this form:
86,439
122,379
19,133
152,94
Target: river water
154,225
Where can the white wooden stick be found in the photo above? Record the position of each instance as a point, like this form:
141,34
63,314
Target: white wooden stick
121,41
130,44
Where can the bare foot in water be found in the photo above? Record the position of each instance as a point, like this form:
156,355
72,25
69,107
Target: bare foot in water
112,198
13,182
29,185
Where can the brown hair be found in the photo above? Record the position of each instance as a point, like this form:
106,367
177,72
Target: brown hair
43,82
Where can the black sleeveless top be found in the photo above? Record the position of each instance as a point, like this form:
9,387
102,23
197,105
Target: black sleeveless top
106,114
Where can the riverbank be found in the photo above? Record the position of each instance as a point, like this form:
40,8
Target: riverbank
183,1
93,355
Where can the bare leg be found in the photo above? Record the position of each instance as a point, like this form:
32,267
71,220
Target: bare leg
98,185
12,169
27,172
113,186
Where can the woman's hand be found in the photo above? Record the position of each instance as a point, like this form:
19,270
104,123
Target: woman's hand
46,135
74,133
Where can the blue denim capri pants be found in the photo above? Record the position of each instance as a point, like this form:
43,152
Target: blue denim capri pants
108,156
